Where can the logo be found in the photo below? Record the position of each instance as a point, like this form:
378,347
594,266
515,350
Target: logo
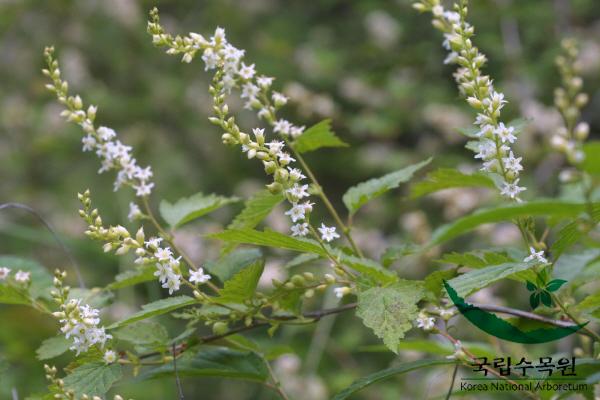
498,327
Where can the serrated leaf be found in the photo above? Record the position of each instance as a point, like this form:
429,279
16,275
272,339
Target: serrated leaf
93,379
388,373
142,333
394,253
300,260
359,195
445,178
243,284
389,311
219,362
551,208
53,347
316,137
369,268
591,163
572,232
255,210
476,259
434,282
155,308
475,280
133,277
268,238
188,209
231,263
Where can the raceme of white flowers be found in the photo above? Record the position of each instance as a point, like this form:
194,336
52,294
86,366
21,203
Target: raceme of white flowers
231,72
494,138
103,141
148,251
79,322
22,277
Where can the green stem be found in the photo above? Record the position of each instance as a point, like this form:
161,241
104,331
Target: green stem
573,318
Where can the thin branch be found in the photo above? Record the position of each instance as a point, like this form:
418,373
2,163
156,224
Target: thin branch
47,225
452,382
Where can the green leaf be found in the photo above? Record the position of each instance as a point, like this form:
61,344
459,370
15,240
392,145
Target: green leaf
445,178
369,268
316,137
255,210
591,163
13,295
93,379
476,259
465,224
155,308
231,263
388,373
572,232
189,208
396,252
268,238
546,298
531,286
434,282
534,300
390,311
133,277
472,281
41,279
219,362
359,195
555,284
243,284
591,302
143,333
53,347
301,259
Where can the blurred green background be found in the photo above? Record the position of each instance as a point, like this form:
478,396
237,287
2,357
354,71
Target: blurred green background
375,67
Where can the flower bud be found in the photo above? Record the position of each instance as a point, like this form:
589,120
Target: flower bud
582,130
220,328
275,187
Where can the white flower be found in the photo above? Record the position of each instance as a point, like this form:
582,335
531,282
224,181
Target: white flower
506,134
153,242
279,99
172,282
512,164
106,133
264,81
282,126
328,233
110,356
275,146
199,276
143,189
296,212
285,158
162,272
458,351
425,322
210,59
247,71
300,229
4,273
298,191
163,254
296,131
296,174
134,212
511,190
22,276
486,131
487,149
341,291
89,143
536,256
249,91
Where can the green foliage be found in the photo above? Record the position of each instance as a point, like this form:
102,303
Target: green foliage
316,137
93,379
216,362
591,163
445,178
155,308
357,196
390,311
549,208
53,347
230,264
388,373
144,335
190,208
268,238
14,295
476,259
242,285
475,280
133,277
41,280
